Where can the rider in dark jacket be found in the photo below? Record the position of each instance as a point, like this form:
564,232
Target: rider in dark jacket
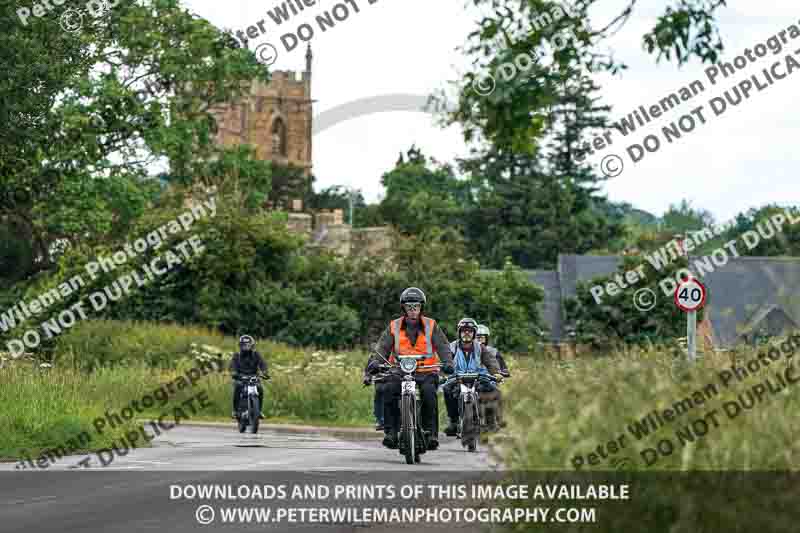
496,398
246,363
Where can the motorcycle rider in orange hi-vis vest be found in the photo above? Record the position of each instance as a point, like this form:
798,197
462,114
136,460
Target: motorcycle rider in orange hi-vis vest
413,333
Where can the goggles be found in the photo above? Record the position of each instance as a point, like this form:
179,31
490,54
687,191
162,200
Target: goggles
414,306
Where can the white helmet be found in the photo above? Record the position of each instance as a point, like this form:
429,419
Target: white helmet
483,330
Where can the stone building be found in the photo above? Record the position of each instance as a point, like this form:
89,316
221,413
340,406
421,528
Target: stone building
275,118
327,229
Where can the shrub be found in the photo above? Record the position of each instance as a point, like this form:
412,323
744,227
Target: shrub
616,320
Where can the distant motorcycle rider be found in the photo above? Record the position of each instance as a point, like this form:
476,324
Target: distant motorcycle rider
247,362
483,338
469,357
412,334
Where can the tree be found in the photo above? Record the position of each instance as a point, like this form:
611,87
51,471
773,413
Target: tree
529,215
93,109
511,116
682,218
338,197
786,241
538,198
421,194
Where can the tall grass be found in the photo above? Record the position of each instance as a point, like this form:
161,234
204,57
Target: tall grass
558,412
101,368
723,480
41,409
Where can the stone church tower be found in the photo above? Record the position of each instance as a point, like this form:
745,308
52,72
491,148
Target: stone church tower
275,117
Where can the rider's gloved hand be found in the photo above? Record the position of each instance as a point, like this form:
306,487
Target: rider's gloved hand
373,367
448,369
498,377
367,381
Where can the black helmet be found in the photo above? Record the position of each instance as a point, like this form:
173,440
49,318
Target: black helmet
246,343
412,295
467,323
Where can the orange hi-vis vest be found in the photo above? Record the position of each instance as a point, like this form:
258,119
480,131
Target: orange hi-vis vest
424,345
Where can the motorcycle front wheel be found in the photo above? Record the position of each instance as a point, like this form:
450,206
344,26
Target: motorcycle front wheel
470,424
254,412
407,421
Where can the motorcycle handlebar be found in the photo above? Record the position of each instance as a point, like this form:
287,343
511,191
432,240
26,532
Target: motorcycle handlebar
245,377
479,377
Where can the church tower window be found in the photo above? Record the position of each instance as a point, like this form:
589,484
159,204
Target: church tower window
279,138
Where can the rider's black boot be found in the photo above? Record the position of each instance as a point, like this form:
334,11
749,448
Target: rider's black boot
390,441
433,442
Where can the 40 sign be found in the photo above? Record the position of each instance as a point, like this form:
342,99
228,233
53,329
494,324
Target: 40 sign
690,295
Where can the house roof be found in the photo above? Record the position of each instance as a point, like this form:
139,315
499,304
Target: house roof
575,268
745,290
551,306
760,315
741,293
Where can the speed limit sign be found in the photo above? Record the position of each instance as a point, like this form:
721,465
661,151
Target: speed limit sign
690,295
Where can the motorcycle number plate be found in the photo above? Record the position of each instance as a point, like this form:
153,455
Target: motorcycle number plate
252,389
409,386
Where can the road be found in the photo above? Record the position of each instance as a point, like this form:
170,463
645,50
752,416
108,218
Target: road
224,448
133,492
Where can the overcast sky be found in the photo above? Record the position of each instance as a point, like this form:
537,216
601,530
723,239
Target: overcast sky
741,159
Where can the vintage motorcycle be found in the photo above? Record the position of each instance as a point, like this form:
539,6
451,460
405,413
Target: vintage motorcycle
249,413
469,407
413,440
490,411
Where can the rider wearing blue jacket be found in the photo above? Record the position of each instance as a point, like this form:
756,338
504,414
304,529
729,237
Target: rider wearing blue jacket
468,356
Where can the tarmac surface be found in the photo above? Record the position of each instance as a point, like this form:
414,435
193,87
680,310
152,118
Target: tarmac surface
133,492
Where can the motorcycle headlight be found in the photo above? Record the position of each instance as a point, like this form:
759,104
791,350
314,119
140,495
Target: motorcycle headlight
408,365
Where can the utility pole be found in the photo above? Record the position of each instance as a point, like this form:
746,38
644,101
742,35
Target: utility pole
350,196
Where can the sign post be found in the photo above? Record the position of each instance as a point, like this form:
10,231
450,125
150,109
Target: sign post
691,335
690,296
